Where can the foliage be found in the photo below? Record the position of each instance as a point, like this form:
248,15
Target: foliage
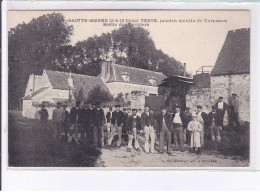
99,94
120,99
33,47
129,46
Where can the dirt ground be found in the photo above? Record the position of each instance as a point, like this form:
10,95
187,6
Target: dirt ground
119,157
29,146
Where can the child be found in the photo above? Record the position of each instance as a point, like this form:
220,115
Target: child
195,128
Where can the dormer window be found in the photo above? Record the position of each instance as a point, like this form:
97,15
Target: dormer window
152,81
125,76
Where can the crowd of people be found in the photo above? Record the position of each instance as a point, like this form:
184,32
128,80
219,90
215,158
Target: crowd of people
185,127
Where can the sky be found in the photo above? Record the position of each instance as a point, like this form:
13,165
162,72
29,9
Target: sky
195,43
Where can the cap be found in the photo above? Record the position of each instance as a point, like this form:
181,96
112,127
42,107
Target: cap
199,106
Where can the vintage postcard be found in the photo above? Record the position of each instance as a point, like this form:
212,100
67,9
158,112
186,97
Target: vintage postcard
129,88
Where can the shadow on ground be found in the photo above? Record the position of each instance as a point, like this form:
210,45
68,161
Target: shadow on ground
31,147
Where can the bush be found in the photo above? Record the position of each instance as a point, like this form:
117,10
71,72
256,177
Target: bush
233,143
99,94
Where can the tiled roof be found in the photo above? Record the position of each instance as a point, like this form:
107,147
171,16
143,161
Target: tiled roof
59,80
29,97
234,57
136,75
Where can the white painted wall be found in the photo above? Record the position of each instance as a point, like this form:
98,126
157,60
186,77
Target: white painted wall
118,87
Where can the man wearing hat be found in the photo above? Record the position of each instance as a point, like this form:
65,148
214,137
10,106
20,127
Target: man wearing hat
117,122
44,117
178,128
133,126
202,117
221,108
98,122
147,124
165,129
58,116
74,120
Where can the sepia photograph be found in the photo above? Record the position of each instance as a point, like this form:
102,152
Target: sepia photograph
129,88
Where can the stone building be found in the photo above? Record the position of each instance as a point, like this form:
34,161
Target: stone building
53,86
231,74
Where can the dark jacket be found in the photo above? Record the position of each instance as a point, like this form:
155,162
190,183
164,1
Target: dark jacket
129,123
205,118
74,113
66,119
44,114
98,117
225,106
217,119
147,120
108,117
168,120
187,117
118,118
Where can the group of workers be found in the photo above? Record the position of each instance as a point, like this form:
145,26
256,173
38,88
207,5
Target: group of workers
186,127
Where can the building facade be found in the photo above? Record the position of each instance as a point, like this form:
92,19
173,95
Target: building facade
53,86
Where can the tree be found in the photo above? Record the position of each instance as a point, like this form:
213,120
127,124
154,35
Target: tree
120,99
129,46
97,93
33,47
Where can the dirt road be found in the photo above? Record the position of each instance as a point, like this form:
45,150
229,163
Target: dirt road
119,157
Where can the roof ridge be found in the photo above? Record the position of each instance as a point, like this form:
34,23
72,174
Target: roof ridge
65,72
139,69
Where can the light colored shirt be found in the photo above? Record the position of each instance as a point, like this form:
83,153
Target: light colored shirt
220,105
194,126
177,118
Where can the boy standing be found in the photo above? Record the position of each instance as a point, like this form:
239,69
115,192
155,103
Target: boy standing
165,128
133,127
202,117
195,128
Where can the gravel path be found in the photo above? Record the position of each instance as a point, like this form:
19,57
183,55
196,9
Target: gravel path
119,157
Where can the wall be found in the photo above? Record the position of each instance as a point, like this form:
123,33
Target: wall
222,86
199,97
118,87
227,85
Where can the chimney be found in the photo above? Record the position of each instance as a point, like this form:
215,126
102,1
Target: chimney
106,69
184,72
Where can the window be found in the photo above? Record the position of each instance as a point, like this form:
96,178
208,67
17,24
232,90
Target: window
125,77
152,81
